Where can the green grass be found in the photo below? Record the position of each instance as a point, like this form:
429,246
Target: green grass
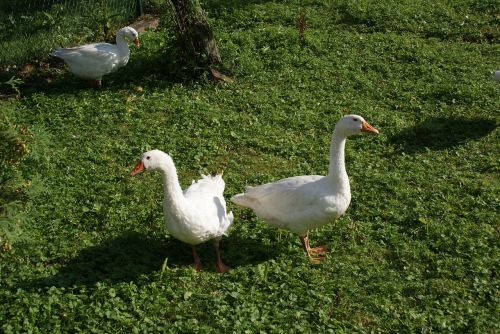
30,29
417,251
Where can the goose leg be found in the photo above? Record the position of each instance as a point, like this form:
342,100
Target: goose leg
96,83
318,250
197,261
220,267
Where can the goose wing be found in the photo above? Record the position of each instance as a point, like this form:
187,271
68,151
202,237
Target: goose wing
206,195
98,57
283,202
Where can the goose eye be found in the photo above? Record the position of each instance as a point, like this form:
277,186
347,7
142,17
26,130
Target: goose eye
148,157
355,119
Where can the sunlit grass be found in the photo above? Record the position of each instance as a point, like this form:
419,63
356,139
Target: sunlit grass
417,250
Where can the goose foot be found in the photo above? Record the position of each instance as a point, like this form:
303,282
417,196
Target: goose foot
320,250
315,255
197,266
316,259
221,267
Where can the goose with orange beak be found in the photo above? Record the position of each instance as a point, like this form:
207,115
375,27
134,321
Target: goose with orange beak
302,203
93,61
195,215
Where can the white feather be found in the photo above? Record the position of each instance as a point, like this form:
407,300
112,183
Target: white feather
198,213
302,203
93,61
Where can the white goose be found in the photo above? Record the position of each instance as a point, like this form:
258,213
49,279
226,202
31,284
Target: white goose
93,61
195,215
496,76
302,203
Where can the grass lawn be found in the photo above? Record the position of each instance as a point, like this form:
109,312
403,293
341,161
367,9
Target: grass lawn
31,28
83,245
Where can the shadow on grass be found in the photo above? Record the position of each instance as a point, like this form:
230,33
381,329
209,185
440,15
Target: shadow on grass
240,251
159,70
126,258
152,71
121,259
441,133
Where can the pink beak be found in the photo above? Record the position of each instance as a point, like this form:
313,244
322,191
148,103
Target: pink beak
138,168
365,127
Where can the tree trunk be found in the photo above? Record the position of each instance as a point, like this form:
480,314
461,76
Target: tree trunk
196,39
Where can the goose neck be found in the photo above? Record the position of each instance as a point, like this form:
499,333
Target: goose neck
337,171
171,187
122,43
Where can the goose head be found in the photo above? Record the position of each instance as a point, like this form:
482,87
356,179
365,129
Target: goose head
152,160
352,125
130,34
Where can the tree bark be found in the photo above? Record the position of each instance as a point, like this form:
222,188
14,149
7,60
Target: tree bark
195,37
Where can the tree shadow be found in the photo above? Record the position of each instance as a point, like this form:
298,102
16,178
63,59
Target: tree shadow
159,69
151,72
440,133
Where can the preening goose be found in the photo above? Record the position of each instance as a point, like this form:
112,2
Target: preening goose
302,203
93,61
195,215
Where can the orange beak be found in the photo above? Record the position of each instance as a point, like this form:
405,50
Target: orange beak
365,127
137,42
138,168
